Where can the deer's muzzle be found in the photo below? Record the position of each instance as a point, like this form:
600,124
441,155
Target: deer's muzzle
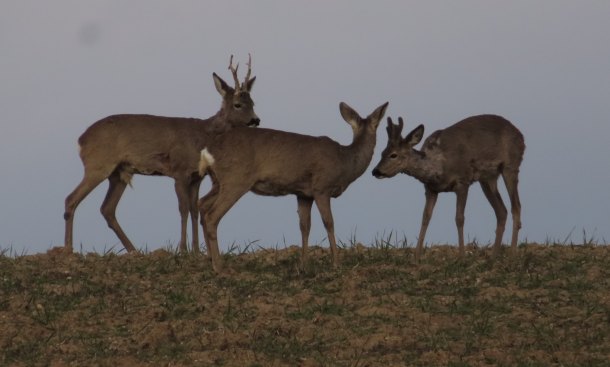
377,173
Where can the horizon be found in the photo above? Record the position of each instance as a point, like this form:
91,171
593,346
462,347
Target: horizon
542,66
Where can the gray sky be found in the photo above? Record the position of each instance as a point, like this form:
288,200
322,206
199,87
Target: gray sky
543,65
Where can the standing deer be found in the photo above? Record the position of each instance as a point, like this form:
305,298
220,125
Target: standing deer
478,148
276,163
119,146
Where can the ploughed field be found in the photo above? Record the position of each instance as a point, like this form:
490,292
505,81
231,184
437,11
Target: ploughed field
549,305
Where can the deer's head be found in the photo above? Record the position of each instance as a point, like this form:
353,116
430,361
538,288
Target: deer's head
399,154
237,105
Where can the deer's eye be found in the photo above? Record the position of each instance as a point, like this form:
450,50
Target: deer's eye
237,106
393,155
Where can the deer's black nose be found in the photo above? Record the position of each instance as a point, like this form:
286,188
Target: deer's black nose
254,122
377,173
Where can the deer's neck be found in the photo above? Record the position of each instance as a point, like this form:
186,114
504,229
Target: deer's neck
218,123
360,153
204,132
427,168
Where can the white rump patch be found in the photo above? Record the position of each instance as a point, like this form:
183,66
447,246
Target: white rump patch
206,160
205,154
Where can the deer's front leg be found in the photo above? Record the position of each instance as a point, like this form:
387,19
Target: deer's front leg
462,196
194,210
182,192
323,204
304,211
431,197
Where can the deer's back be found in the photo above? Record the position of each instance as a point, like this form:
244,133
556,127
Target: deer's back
143,144
278,163
477,146
131,129
275,149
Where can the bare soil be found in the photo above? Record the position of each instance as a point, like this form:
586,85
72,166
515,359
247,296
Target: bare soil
547,306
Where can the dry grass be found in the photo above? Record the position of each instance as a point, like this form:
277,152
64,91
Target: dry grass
550,305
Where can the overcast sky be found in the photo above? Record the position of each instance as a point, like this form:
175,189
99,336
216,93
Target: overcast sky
544,65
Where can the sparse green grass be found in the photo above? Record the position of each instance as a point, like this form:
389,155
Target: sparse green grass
548,305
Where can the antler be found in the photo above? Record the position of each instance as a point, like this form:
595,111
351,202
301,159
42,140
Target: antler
234,72
394,130
238,87
249,70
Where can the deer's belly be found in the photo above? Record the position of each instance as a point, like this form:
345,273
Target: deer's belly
274,189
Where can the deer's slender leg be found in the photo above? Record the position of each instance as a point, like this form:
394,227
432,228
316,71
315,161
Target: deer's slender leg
194,210
184,206
431,197
90,181
205,204
490,189
511,179
304,211
460,207
116,187
212,208
323,204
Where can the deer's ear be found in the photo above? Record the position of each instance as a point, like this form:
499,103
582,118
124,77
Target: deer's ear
377,115
222,87
414,136
249,84
349,115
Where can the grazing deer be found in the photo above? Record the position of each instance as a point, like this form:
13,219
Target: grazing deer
119,146
276,163
478,148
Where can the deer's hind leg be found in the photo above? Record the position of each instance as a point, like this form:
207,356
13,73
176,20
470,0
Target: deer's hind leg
511,179
116,188
91,179
212,208
490,189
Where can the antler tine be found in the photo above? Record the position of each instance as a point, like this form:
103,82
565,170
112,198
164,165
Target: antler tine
390,128
234,72
249,69
400,125
389,119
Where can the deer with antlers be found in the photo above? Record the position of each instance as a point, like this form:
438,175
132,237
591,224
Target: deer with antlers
478,148
119,146
276,163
